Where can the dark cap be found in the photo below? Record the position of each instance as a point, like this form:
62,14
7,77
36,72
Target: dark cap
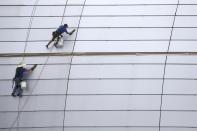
65,25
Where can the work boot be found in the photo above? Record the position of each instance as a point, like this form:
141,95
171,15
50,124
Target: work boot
13,95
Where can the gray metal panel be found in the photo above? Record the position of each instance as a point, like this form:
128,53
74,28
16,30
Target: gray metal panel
73,11
14,22
115,86
127,21
119,59
32,103
49,11
182,59
188,1
46,87
115,71
187,10
132,2
9,74
51,2
5,87
121,34
11,60
40,119
7,119
17,2
181,71
39,47
8,103
180,87
120,46
179,103
13,35
179,129
188,21
127,10
112,118
179,119
12,47
73,2
56,71
48,60
16,10
53,22
40,129
111,129
115,102
186,33
183,46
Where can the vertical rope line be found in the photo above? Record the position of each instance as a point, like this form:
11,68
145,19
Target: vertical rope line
18,118
29,27
166,59
64,12
26,40
67,85
28,33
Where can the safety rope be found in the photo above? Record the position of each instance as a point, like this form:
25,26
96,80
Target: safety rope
164,71
26,41
24,55
70,65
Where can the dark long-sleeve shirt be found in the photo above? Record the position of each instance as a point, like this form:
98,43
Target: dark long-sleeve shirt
20,71
62,29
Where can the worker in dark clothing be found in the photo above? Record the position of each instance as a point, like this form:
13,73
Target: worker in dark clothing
58,33
19,77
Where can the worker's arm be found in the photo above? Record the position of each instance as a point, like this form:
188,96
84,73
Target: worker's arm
70,33
67,31
33,68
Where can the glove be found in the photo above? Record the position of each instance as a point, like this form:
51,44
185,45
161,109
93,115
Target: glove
72,32
34,67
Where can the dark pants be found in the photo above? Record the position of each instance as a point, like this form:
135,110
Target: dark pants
55,35
17,91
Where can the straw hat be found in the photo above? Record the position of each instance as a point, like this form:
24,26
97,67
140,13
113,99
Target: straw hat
21,64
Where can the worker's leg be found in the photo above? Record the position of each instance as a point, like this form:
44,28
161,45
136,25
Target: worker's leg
20,92
58,38
16,85
50,41
55,35
14,91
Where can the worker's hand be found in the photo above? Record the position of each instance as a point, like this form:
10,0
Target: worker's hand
34,67
72,32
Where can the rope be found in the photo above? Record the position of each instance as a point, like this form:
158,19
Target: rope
26,41
24,55
67,85
29,27
166,59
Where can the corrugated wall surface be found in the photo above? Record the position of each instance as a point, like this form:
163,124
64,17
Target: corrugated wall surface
101,93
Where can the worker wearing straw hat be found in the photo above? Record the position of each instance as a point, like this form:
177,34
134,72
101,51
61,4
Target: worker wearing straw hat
19,77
